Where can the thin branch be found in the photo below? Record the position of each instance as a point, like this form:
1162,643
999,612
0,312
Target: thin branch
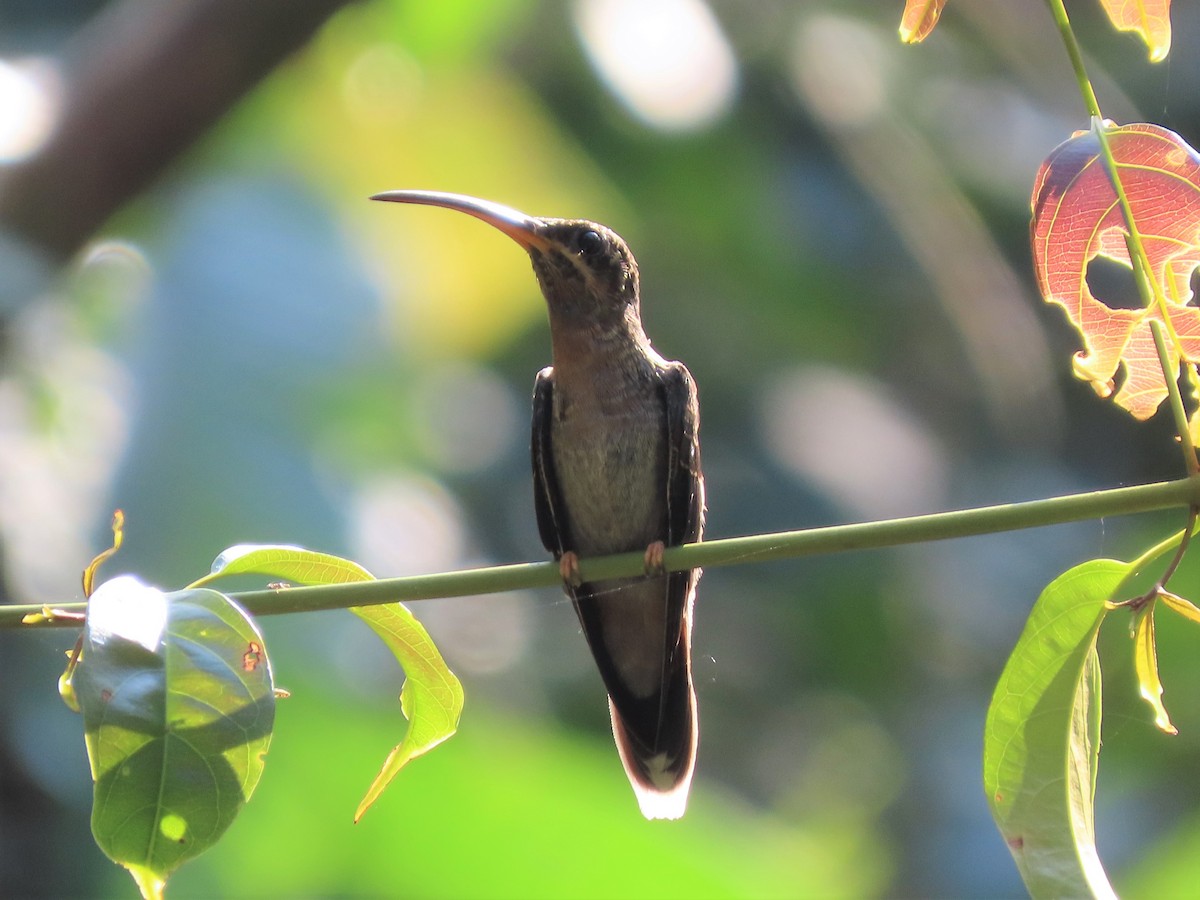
730,551
1182,549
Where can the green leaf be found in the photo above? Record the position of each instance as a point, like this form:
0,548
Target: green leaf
178,708
284,561
431,699
1042,737
432,696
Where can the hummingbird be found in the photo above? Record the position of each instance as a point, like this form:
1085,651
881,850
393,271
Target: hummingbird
616,468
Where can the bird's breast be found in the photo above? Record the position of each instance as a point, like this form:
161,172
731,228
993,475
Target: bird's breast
610,455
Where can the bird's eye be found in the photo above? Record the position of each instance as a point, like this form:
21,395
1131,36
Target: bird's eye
590,242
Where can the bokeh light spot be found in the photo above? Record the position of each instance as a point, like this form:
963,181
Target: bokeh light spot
29,102
839,68
406,526
668,61
483,635
382,82
173,827
847,437
468,417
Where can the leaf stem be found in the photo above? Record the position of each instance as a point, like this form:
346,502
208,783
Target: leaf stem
1181,550
1138,260
1059,13
1171,377
1136,566
1183,492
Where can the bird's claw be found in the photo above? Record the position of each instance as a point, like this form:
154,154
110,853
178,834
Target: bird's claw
654,558
568,568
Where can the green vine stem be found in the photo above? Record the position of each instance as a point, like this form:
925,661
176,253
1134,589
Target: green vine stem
1184,492
1176,542
1176,401
1059,12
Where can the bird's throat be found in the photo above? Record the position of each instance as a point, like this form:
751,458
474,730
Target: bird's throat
586,355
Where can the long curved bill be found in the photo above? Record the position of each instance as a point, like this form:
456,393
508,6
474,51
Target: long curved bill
523,229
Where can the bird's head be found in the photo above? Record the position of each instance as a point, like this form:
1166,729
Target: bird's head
586,272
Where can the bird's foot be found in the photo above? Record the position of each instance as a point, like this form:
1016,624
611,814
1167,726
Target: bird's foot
568,568
654,558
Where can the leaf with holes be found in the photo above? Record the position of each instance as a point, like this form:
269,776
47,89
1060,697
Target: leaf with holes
1149,19
178,708
432,696
1076,218
1042,736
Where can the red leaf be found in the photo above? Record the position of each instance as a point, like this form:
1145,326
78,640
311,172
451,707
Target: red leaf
1076,218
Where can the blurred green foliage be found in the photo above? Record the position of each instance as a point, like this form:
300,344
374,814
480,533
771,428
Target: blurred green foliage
254,352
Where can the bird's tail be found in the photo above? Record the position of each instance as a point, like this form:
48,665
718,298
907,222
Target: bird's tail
660,763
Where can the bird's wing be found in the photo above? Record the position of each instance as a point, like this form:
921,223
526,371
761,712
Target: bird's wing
547,497
685,483
685,490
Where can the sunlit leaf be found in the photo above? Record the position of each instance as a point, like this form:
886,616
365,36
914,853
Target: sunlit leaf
920,16
1042,737
177,726
1076,218
284,561
1180,605
1145,663
1149,19
432,696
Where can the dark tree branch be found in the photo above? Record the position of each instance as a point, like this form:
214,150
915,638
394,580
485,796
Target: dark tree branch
144,80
